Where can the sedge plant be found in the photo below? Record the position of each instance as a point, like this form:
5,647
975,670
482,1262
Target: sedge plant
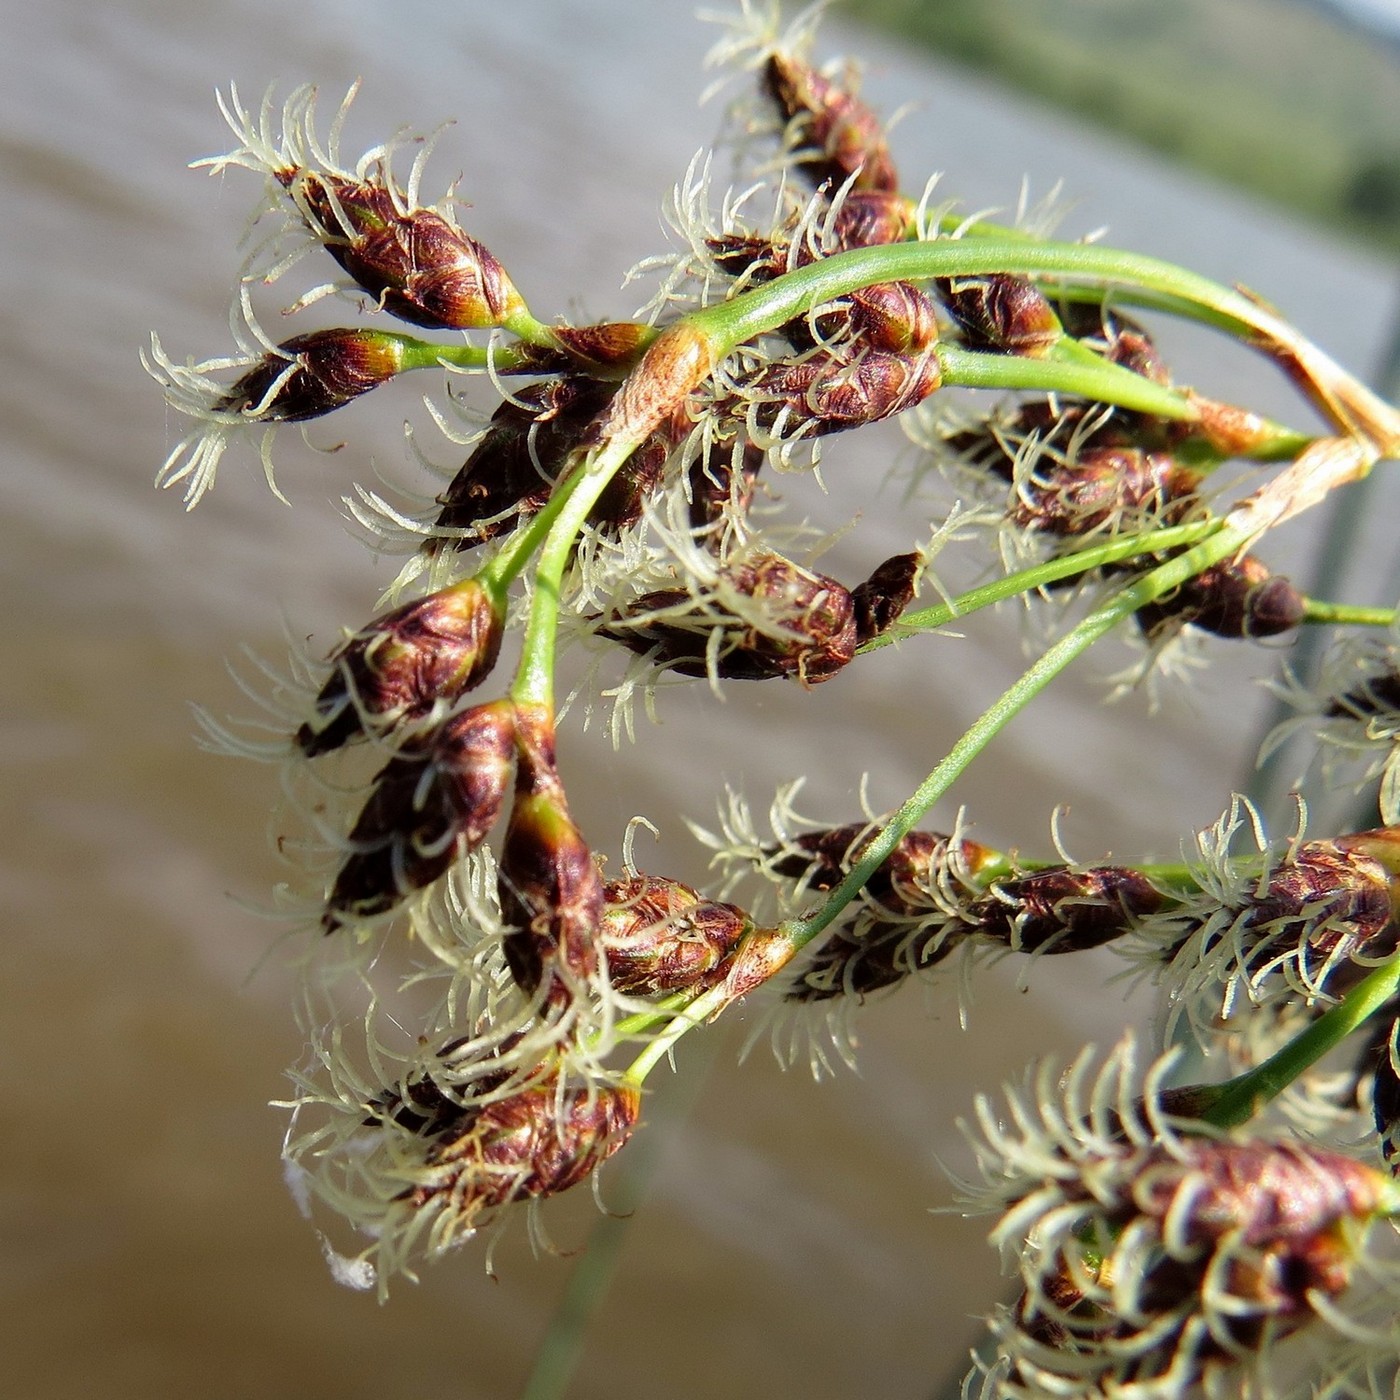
1168,1232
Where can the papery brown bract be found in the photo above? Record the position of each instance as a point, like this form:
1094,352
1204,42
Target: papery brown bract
882,597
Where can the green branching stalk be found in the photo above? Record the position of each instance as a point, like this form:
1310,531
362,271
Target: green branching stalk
1239,1099
576,495
555,969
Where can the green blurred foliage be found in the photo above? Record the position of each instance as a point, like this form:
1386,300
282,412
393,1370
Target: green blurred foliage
1275,97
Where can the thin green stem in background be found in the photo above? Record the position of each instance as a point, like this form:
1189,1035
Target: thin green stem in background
1039,575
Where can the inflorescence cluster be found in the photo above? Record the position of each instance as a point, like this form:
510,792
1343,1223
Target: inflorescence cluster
620,498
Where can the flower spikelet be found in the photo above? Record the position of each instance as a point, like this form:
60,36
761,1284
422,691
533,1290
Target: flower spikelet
551,890
661,936
407,662
300,379
412,259
763,617
1302,922
1154,1255
422,1170
1064,909
434,801
908,916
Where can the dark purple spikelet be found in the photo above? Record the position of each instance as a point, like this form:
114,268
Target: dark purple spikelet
874,951
1253,1238
661,936
1326,913
812,634
830,393
402,665
885,594
415,262
511,471
314,374
838,136
871,218
1099,486
1237,598
432,803
550,889
1063,909
532,1144
1000,312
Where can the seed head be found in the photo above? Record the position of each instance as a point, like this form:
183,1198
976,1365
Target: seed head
431,804
1152,1258
1098,486
906,921
1190,1257
512,470
425,1183
793,623
1305,927
1001,312
1236,598
831,392
550,888
404,664
660,936
537,1143
838,137
314,374
1064,909
415,262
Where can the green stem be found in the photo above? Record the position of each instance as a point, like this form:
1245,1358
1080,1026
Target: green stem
1082,377
708,1004
1107,269
1237,1100
1347,614
1039,575
576,495
428,354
